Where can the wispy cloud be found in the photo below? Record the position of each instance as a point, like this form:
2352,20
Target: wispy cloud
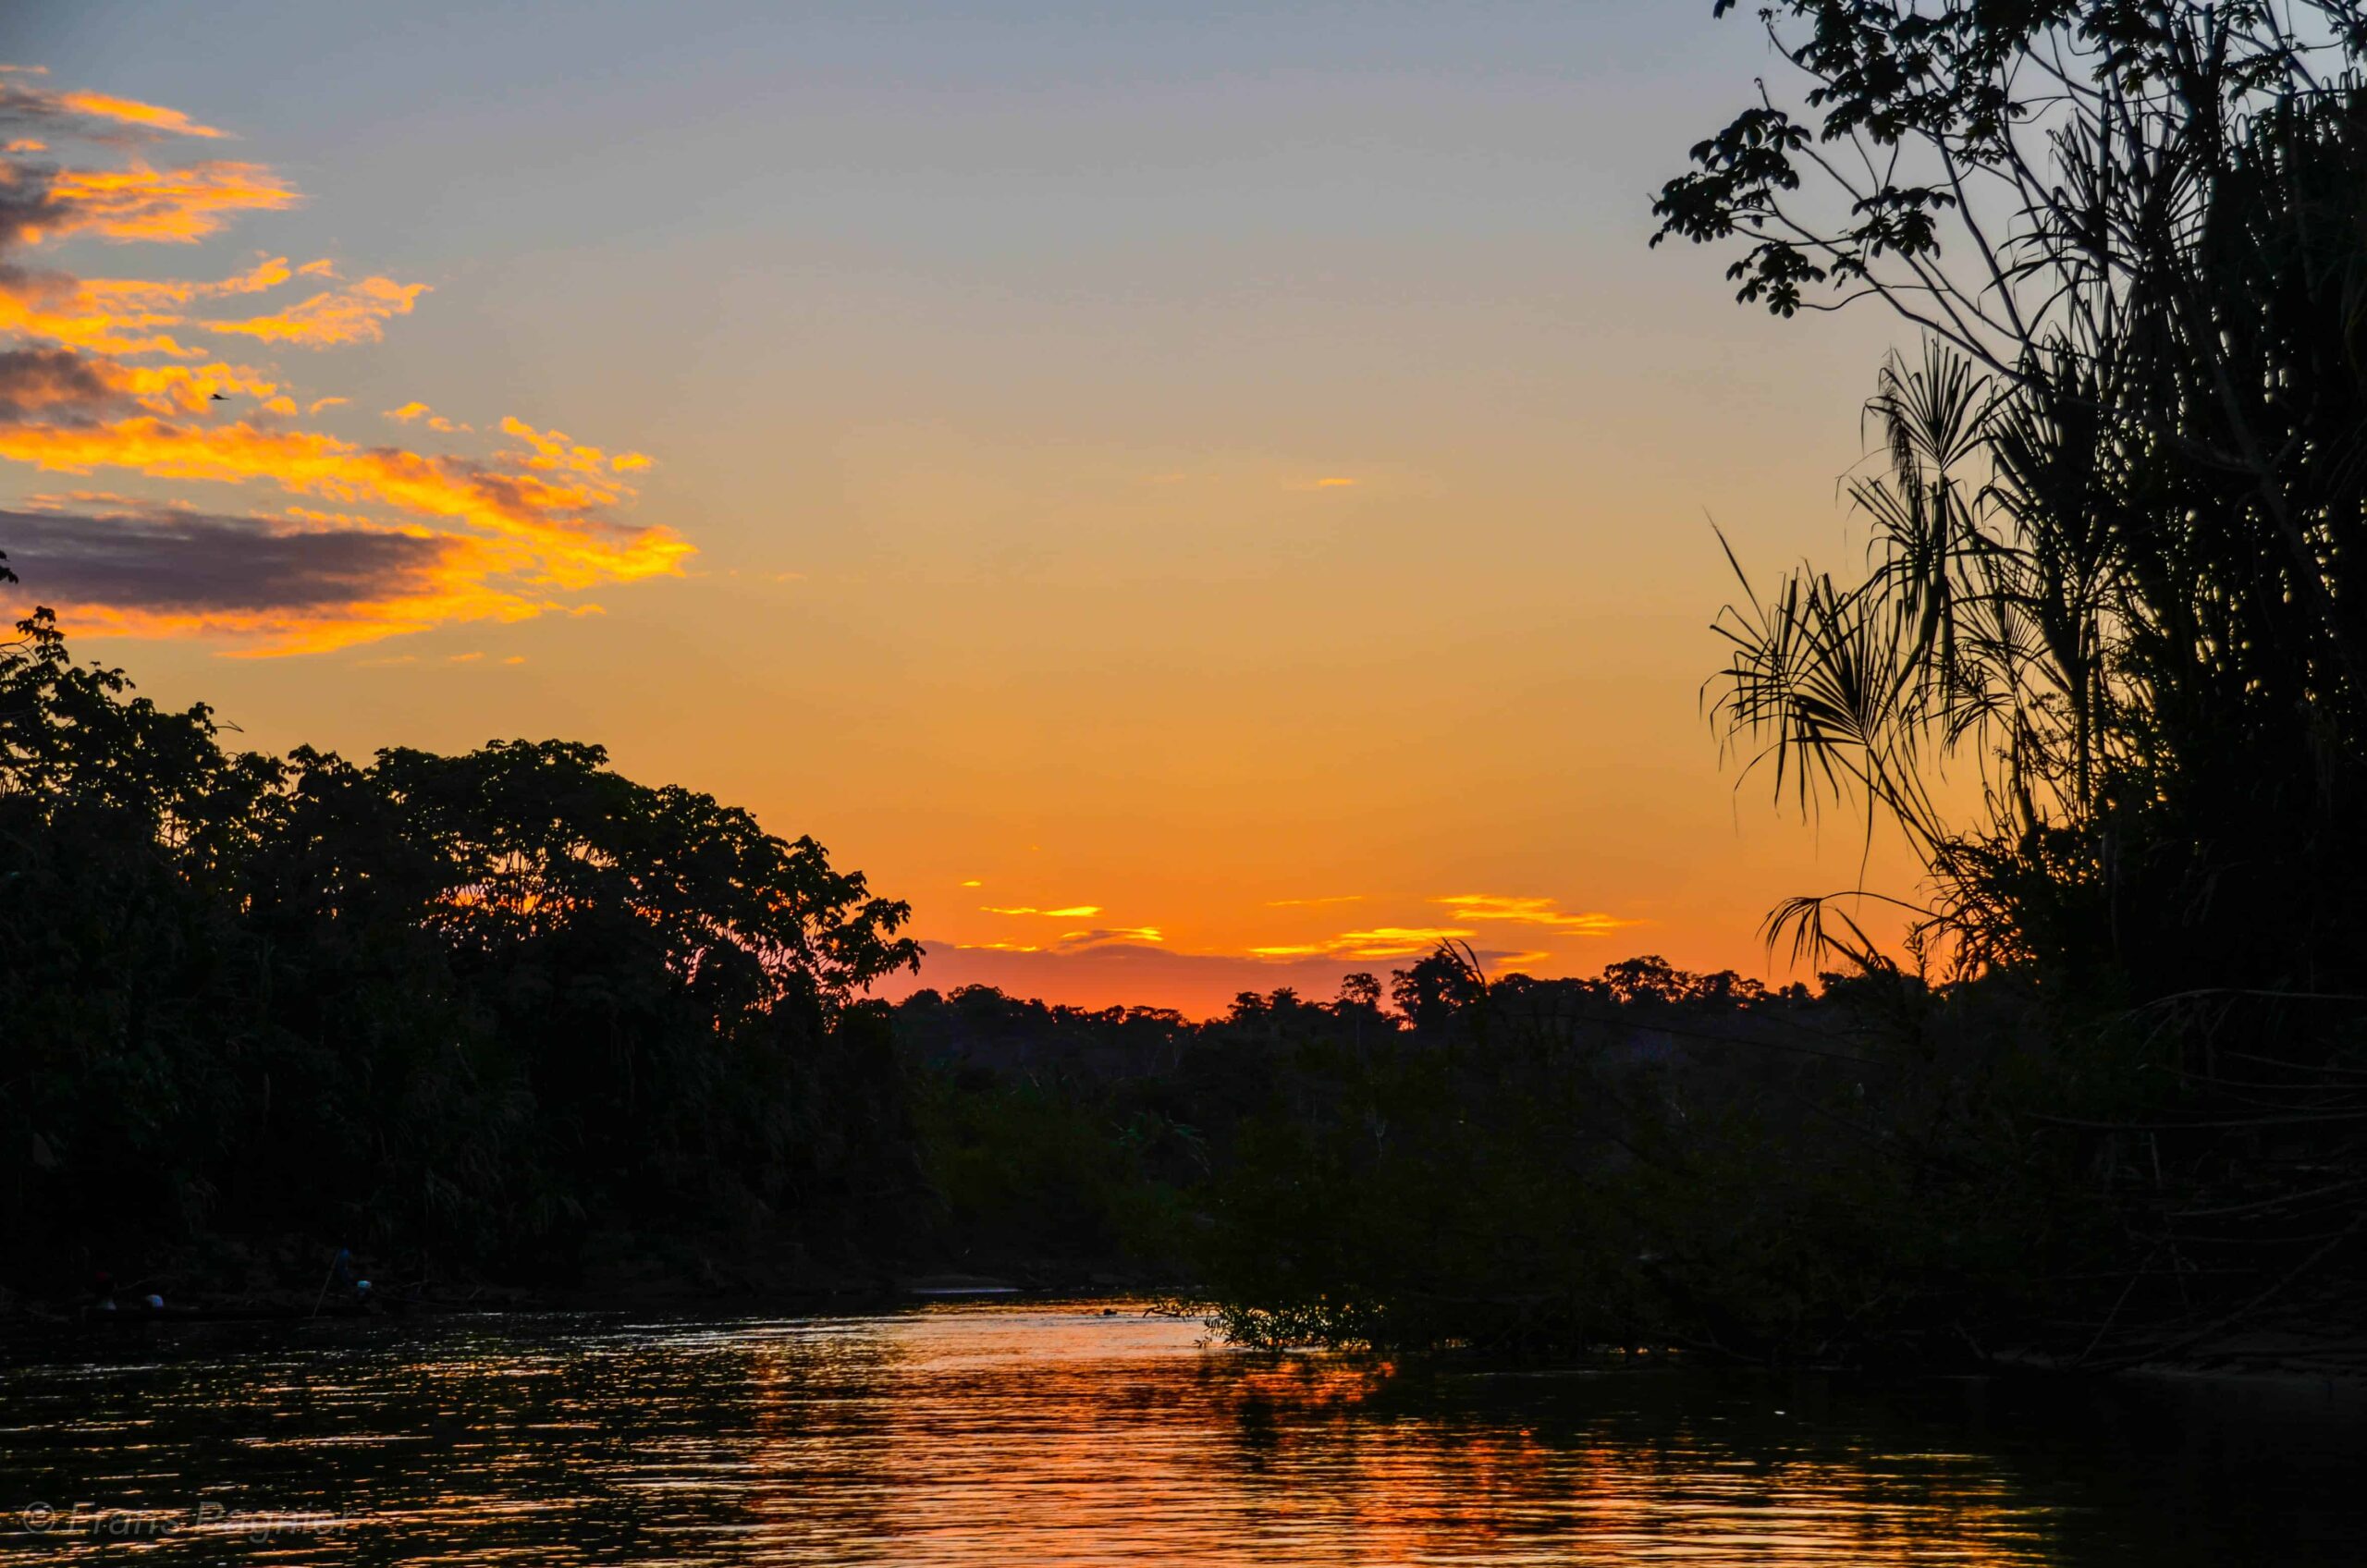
1074,941
45,203
1073,911
1381,941
94,116
1467,911
436,422
1547,912
355,314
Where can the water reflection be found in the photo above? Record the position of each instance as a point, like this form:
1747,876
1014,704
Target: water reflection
1028,1435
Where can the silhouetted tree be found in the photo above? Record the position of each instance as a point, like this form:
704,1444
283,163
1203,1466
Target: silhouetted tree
1435,991
2116,568
491,1003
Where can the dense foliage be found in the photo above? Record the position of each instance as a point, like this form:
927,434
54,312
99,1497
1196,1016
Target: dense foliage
1648,1157
481,1008
2114,559
2116,569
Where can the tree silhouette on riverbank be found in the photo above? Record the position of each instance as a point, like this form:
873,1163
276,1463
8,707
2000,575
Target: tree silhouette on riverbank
476,1007
2119,568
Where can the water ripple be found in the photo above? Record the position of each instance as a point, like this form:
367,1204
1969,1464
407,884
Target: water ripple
1033,1435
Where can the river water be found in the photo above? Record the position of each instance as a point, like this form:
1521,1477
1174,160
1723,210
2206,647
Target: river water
1043,1435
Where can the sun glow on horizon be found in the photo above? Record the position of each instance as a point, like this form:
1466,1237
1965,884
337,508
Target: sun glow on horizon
1297,542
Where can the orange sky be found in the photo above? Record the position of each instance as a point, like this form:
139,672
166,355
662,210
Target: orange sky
1186,528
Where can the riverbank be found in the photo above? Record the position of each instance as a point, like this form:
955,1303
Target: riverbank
351,1288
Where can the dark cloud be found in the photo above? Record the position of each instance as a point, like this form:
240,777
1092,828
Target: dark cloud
27,204
28,104
192,564
53,383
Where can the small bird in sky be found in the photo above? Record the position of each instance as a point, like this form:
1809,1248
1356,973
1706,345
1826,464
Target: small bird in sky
220,397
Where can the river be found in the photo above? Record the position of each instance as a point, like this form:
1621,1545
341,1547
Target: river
1028,1434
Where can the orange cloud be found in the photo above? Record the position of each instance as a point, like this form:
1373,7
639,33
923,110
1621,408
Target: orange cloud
1077,942
1533,912
163,388
1074,912
72,113
110,295
173,206
53,383
1381,941
128,110
354,314
98,373
57,309
263,275
119,315
569,548
436,423
554,450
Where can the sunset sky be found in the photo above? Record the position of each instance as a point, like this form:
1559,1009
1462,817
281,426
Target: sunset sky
1194,498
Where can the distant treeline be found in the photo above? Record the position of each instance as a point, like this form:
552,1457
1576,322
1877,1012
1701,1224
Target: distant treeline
1889,1171
1649,1157
1112,1133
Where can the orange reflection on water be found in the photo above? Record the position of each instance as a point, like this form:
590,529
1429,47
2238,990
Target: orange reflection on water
1027,1436
1035,1434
